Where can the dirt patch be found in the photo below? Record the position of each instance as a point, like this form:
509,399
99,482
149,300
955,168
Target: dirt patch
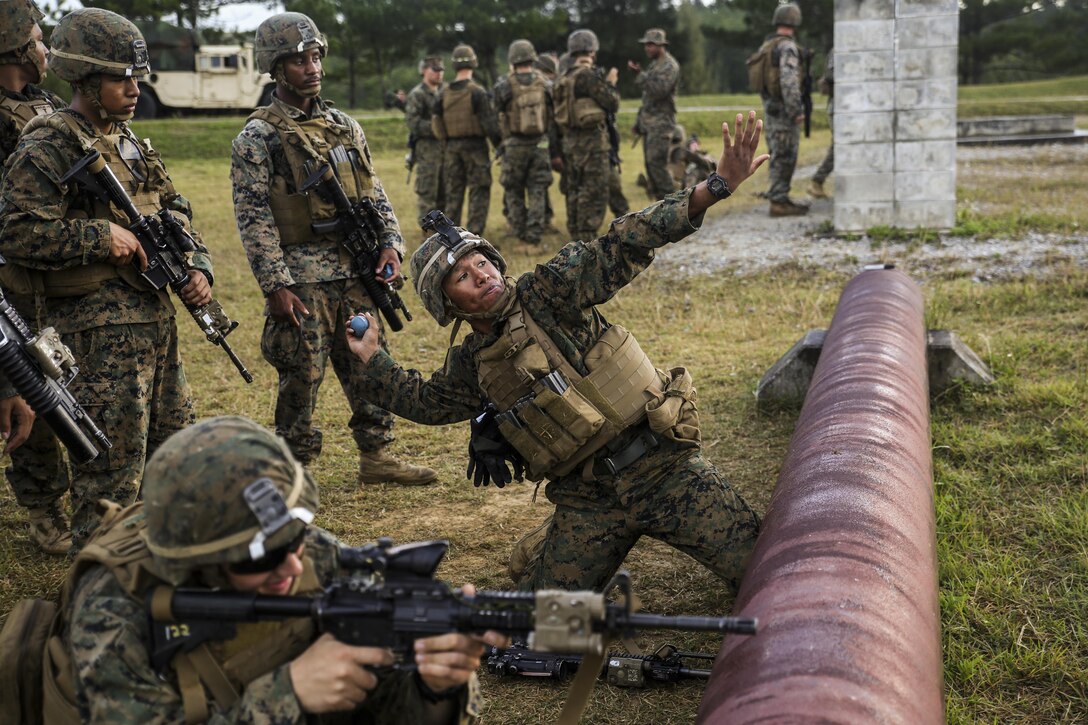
745,240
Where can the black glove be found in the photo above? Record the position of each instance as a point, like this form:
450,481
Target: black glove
489,452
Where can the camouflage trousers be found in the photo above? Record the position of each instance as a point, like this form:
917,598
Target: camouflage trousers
467,166
672,494
526,176
38,473
656,140
828,164
617,202
300,356
132,383
783,139
428,171
586,168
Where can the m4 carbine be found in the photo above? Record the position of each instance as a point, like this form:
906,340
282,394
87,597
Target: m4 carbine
41,367
666,664
360,227
390,598
165,242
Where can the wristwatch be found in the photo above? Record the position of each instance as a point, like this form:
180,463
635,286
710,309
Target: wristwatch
717,186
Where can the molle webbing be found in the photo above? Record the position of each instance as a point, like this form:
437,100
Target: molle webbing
571,110
20,112
305,141
528,106
458,115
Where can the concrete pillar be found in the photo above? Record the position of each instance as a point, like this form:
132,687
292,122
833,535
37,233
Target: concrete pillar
895,113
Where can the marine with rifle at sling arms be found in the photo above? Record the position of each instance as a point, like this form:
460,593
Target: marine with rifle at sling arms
360,227
40,367
166,244
391,598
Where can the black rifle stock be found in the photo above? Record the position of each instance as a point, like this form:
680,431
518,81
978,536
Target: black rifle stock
390,598
360,227
806,89
41,367
165,242
666,664
613,140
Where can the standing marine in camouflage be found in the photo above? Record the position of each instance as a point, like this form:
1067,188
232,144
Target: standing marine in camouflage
427,149
657,115
38,473
465,120
85,262
548,65
310,283
574,396
524,101
249,532
827,87
780,88
583,96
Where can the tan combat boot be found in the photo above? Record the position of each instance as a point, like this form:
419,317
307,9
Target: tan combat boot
380,467
49,531
788,208
816,189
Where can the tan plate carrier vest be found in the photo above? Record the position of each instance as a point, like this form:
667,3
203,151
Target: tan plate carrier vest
458,119
572,111
311,140
223,668
528,106
87,278
764,73
560,431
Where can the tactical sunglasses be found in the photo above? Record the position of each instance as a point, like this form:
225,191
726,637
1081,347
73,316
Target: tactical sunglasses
271,560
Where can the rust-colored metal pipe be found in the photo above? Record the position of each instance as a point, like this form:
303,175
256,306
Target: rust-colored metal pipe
843,578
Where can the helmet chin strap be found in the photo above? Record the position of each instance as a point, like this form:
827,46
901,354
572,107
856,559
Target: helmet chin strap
280,78
91,88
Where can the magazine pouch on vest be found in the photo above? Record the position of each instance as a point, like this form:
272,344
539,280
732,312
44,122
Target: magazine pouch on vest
673,413
309,141
554,416
572,111
764,75
528,106
458,116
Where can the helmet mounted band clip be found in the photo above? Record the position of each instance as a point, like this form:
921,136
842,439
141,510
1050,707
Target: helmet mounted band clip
267,504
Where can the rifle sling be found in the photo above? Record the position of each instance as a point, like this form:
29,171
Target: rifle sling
582,687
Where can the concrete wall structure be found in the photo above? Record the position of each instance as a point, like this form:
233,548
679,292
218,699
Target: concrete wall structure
895,113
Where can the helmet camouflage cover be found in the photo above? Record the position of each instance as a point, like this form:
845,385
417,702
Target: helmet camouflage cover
436,257
17,21
464,57
89,41
787,14
286,34
521,51
222,491
582,41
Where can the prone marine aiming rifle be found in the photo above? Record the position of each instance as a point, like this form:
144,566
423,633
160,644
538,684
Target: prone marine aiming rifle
360,227
390,598
41,367
666,664
165,242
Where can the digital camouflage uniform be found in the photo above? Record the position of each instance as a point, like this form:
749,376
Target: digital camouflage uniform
586,165
672,493
38,473
780,118
657,119
320,274
466,165
526,161
131,378
827,86
418,110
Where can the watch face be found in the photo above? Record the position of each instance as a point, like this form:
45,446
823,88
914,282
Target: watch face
717,186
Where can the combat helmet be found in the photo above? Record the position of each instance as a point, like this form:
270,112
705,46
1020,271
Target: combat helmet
17,21
787,14
90,41
436,257
464,57
521,51
223,491
582,41
286,34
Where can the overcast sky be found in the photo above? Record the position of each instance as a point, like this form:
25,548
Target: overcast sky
246,16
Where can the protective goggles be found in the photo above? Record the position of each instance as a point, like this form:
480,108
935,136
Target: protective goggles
272,559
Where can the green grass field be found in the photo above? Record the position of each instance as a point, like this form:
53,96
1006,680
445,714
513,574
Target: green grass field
1010,461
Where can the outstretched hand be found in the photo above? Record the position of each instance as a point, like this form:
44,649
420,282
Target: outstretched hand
738,160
